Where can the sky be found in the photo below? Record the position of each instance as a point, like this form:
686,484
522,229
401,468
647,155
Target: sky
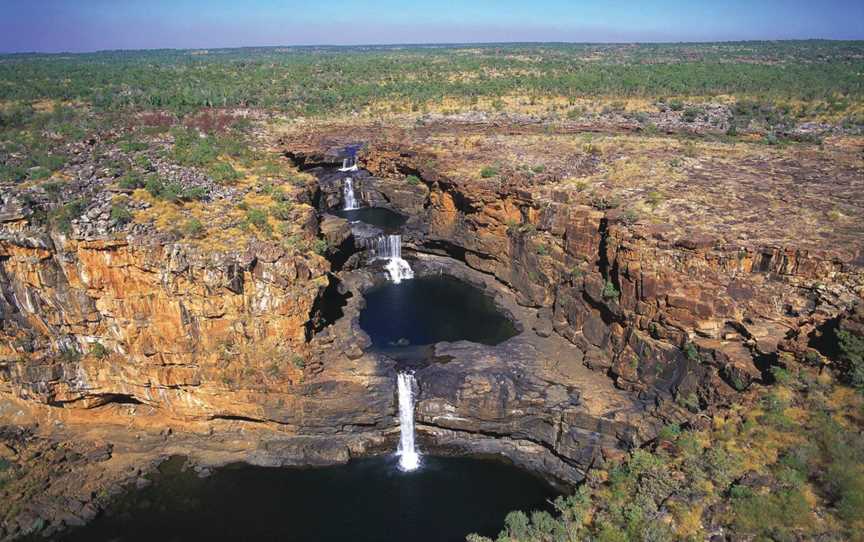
90,25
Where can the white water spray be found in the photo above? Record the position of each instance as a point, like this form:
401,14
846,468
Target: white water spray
389,247
348,195
409,458
349,164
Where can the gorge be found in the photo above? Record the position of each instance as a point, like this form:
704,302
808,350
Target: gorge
525,320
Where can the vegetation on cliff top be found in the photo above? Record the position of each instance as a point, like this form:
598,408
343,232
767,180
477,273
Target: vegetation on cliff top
785,464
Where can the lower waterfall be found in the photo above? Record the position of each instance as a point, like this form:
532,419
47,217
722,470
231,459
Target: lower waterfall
409,458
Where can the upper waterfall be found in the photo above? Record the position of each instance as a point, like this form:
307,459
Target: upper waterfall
349,164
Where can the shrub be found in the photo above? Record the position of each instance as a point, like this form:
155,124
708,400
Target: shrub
38,173
193,228
98,351
851,358
70,355
281,211
173,192
540,168
690,114
61,218
413,180
691,352
120,214
542,250
654,198
630,217
10,173
193,193
610,291
131,182
132,146
603,202
143,162
320,246
154,186
257,217
223,173
670,432
489,171
298,361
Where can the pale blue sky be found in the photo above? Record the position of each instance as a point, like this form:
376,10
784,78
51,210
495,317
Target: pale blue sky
87,25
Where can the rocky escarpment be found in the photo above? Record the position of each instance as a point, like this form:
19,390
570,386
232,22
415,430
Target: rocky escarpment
196,334
153,330
666,312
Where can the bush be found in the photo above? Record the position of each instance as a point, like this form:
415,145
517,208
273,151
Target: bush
851,358
131,182
98,351
413,180
173,192
257,217
691,352
61,218
690,114
488,172
193,228
120,214
223,173
603,202
654,198
320,247
154,186
13,174
281,211
298,362
70,355
132,146
610,291
630,217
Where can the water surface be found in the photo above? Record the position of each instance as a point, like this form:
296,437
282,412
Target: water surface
365,500
387,220
432,309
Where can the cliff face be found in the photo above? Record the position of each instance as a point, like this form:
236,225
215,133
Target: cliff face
196,334
664,309
682,314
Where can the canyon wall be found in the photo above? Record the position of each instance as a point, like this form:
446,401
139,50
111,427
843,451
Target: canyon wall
199,335
665,312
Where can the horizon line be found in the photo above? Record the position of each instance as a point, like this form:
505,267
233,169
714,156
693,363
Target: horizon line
428,44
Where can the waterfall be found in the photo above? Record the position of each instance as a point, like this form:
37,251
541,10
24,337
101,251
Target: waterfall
389,247
409,458
348,195
349,164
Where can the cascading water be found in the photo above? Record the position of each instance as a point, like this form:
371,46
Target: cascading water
349,164
409,458
389,247
348,195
